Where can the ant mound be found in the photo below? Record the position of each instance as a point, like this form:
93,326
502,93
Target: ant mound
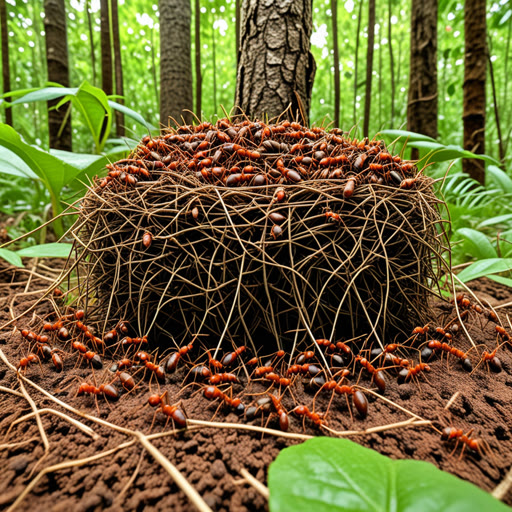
261,234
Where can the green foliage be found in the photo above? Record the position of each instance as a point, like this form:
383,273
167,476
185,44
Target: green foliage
338,475
53,250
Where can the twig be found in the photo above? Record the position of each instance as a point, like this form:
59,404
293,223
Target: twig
500,491
411,422
254,482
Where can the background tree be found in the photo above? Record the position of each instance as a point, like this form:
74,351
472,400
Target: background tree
336,61
59,121
6,73
175,62
475,59
106,49
118,67
369,67
422,100
199,80
276,65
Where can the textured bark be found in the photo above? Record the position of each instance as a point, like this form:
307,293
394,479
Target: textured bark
276,64
369,67
336,58
58,71
391,65
6,72
91,41
118,67
237,30
199,77
175,61
106,49
474,86
422,99
358,39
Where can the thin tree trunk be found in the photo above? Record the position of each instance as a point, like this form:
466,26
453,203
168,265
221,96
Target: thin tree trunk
358,38
106,49
118,66
380,86
214,70
91,40
199,78
237,30
423,96
496,114
336,58
391,66
474,86
369,67
276,67
59,121
153,70
6,73
175,61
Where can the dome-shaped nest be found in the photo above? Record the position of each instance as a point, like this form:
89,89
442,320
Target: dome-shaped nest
262,235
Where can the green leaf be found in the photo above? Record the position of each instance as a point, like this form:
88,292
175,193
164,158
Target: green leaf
442,153
412,136
505,17
12,164
131,113
499,178
45,94
11,257
451,89
500,219
338,475
502,280
478,244
55,250
485,268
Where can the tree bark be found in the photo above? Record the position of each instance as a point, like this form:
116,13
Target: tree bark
369,67
391,66
199,77
118,67
6,72
422,98
276,66
59,121
106,49
175,61
356,65
91,41
475,68
336,58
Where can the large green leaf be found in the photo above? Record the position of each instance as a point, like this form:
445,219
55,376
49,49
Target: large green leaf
502,280
12,164
134,115
46,251
442,153
477,243
485,268
411,136
338,475
499,219
499,178
11,257
45,94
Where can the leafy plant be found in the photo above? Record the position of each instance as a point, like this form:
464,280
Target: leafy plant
53,250
338,475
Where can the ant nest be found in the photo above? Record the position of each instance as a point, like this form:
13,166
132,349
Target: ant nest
261,235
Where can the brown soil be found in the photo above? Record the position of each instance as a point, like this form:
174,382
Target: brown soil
211,458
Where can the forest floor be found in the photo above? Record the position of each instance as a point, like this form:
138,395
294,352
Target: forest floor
211,457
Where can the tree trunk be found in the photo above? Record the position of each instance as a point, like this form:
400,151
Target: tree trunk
336,58
276,67
369,67
474,86
6,72
118,66
422,100
59,121
91,41
175,61
106,49
356,65
199,77
391,66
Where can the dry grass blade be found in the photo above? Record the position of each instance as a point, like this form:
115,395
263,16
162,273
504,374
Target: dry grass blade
254,482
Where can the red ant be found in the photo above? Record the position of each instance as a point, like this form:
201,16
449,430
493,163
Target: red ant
377,374
25,362
274,377
230,358
134,341
281,412
106,389
171,411
477,445
172,362
358,397
213,392
302,410
406,374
